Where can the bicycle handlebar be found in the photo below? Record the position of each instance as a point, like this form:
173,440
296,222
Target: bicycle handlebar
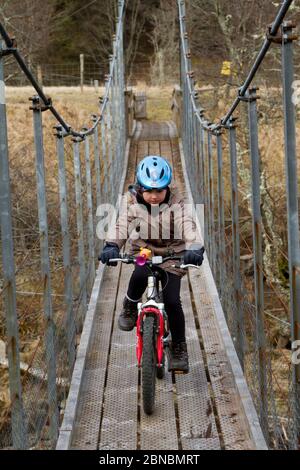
185,266
132,260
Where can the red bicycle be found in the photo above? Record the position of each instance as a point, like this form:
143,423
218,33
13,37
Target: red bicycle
152,327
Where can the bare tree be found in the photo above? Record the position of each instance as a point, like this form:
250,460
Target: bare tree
29,23
165,40
134,32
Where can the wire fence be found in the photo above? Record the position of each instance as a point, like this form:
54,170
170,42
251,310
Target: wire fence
64,74
227,172
88,74
50,190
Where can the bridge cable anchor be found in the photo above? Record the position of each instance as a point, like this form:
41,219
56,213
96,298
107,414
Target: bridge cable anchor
39,105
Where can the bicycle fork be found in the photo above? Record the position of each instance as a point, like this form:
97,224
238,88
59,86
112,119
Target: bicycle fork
158,314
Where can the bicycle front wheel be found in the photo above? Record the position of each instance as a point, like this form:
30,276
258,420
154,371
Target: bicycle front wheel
148,365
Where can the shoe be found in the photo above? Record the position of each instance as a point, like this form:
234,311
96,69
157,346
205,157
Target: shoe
178,357
128,317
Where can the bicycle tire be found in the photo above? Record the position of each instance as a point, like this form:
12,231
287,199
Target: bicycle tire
148,365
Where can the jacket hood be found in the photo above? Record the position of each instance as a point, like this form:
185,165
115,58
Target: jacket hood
135,191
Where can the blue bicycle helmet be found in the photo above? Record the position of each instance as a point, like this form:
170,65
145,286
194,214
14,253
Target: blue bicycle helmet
154,172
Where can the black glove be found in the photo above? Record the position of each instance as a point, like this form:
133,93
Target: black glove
110,251
194,256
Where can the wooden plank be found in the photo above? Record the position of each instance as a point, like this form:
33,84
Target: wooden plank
119,422
88,418
154,148
159,430
196,418
235,429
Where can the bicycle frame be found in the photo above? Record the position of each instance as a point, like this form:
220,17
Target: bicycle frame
151,307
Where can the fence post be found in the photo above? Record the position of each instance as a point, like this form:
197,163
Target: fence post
81,72
40,75
19,431
37,107
240,339
64,217
79,217
292,208
251,97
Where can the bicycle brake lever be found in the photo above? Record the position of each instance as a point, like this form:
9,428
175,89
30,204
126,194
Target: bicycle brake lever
185,266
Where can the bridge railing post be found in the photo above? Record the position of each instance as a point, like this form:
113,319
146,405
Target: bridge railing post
251,97
292,213
113,122
122,88
201,163
129,112
119,117
90,215
206,191
19,428
195,156
210,198
99,181
212,204
97,164
82,297
110,172
66,241
221,258
37,107
240,325
105,162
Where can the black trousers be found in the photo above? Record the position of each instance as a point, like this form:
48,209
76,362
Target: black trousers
171,296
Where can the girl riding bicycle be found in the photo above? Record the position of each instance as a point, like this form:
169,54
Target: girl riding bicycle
156,218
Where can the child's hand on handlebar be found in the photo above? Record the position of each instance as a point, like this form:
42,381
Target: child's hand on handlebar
110,251
194,256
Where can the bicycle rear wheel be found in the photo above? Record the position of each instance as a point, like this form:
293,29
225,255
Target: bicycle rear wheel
148,365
